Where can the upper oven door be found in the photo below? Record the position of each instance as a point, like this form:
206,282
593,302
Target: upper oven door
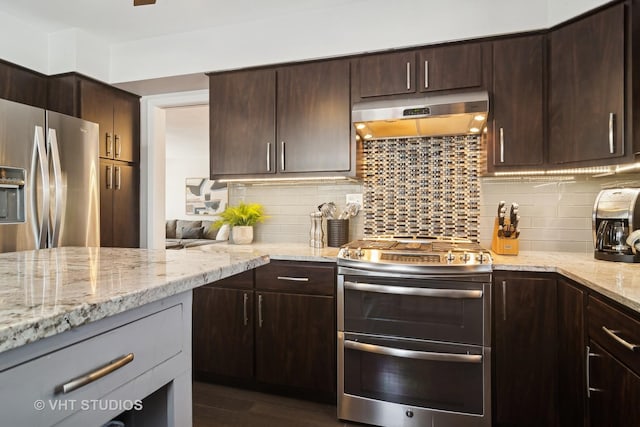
444,309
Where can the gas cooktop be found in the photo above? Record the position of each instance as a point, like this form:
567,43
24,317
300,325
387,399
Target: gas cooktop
416,251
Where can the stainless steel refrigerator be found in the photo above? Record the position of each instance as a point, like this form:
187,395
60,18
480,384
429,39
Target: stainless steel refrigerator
49,179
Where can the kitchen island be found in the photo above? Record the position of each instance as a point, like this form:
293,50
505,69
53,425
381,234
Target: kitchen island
121,315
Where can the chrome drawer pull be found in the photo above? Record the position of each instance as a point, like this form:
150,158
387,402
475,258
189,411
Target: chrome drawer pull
423,292
612,334
413,354
95,375
293,279
611,139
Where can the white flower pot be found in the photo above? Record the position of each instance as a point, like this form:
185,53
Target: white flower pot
242,234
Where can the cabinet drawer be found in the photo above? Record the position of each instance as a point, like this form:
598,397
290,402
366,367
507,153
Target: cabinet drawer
297,277
152,340
615,332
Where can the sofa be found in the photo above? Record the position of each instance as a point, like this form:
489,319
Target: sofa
185,234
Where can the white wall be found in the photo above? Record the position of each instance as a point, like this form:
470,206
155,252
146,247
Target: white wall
23,44
187,154
354,27
357,27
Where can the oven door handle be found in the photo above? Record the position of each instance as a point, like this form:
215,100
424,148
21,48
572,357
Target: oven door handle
413,354
423,292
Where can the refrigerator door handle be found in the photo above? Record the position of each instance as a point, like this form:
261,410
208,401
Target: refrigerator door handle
56,213
39,161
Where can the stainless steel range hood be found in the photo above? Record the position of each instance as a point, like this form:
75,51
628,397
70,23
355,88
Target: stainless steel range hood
431,115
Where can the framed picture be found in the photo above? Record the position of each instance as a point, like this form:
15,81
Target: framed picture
205,197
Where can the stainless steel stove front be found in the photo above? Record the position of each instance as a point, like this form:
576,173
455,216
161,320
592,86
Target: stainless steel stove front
414,346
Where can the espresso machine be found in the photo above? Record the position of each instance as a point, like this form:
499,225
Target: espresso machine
616,222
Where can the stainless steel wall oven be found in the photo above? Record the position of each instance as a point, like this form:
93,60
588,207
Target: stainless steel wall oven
414,335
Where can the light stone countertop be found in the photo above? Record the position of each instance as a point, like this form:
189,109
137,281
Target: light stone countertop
46,292
618,281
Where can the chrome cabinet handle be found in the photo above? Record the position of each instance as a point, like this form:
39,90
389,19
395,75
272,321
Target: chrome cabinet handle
501,145
118,146
424,292
504,300
260,311
109,142
426,74
109,177
408,75
118,176
413,354
268,157
588,372
282,156
611,141
245,299
95,375
626,344
293,279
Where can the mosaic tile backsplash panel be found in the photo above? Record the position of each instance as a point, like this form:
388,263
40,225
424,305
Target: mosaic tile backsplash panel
422,186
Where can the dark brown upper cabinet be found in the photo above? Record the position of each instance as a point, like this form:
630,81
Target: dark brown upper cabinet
242,124
116,112
386,74
587,89
455,66
289,120
22,85
314,118
446,67
516,131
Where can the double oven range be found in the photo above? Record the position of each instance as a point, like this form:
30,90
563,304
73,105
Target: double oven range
414,341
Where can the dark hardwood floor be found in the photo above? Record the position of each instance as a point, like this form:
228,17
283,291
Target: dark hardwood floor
218,406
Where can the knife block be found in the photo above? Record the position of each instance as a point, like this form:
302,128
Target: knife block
504,245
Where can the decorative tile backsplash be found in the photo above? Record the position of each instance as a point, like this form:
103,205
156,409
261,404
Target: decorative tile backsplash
422,186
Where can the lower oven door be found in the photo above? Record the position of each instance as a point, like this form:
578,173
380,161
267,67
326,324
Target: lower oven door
400,382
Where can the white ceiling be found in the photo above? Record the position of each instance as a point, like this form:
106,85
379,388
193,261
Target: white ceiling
117,21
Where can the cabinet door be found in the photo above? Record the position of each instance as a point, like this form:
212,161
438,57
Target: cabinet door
314,110
525,369
106,203
126,207
571,360
450,67
614,391
242,109
96,105
223,332
517,133
386,74
295,341
586,96
126,113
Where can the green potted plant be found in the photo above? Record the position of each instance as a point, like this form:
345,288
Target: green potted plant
241,219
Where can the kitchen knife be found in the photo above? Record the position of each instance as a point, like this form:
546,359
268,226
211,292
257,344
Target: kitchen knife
501,214
514,218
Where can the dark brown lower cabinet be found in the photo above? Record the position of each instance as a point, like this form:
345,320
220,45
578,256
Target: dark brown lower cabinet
294,341
615,391
571,358
276,332
223,332
524,348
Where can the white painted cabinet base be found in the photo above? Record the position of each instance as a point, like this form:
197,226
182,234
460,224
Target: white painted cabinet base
153,389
